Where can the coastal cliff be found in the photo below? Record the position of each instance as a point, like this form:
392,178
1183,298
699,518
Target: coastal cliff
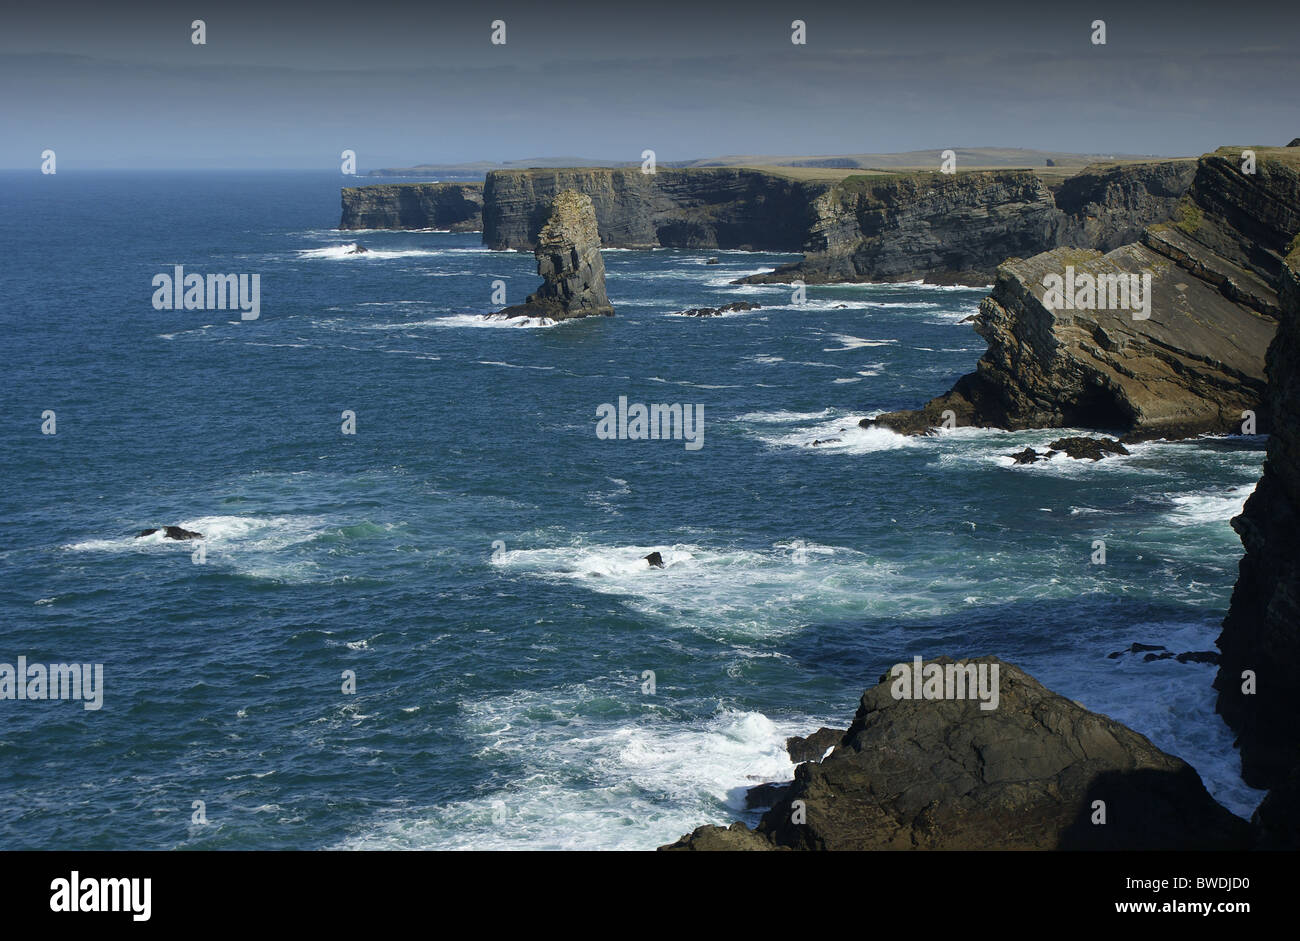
457,207
1179,352
1037,772
1261,633
696,208
866,227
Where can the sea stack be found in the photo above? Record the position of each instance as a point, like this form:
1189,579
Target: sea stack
568,259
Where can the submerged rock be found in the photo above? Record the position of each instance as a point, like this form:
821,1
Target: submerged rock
569,261
656,560
946,774
718,311
171,532
358,249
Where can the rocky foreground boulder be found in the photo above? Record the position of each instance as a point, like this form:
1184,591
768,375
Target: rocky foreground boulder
1159,338
569,261
1037,772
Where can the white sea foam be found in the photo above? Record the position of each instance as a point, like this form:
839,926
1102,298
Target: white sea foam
853,343
1215,507
592,783
491,321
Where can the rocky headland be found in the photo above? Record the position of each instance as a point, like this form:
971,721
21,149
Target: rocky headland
1182,351
570,264
1037,772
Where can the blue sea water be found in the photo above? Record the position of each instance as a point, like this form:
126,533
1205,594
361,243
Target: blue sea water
473,551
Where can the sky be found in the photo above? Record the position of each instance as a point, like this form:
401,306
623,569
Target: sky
291,85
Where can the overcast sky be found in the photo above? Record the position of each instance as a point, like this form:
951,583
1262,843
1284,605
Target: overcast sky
292,85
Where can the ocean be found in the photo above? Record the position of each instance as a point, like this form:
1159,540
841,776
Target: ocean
471,557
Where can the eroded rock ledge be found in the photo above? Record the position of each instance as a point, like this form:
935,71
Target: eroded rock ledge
947,775
1193,366
569,261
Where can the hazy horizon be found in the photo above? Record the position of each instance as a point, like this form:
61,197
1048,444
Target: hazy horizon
291,86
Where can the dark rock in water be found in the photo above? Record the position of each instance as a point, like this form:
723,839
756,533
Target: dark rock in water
656,560
171,532
764,795
971,319
946,774
711,261
1198,656
718,311
1092,448
812,747
359,249
1027,456
818,442
569,261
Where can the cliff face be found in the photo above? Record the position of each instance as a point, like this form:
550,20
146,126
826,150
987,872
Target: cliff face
454,206
569,261
1262,630
1110,207
867,227
946,774
945,227
696,208
959,228
1187,360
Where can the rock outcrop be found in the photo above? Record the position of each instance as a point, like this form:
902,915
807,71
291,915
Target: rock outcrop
569,261
171,532
945,774
1261,633
1180,353
457,207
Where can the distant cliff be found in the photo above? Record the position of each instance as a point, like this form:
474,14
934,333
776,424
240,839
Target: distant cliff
454,206
697,208
1191,365
866,227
